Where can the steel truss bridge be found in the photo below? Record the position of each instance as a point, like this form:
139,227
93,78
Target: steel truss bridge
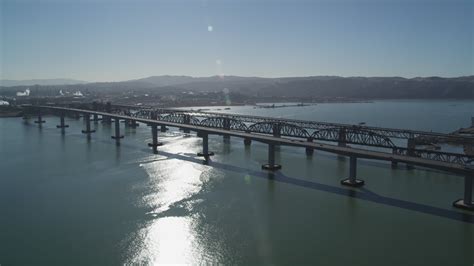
300,129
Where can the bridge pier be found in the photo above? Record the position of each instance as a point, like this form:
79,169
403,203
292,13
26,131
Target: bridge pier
154,138
394,164
40,118
205,146
342,141
88,130
187,120
226,138
352,181
411,145
271,165
247,141
163,128
466,202
108,109
154,134
309,151
226,126
61,121
117,136
276,129
95,116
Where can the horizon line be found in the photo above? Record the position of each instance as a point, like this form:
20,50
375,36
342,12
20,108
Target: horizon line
223,76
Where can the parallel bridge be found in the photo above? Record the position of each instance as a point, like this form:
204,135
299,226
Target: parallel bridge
342,134
274,132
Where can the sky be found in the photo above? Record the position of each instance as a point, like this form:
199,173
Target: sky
105,40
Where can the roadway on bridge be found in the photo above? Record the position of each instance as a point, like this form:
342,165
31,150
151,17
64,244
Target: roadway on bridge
346,151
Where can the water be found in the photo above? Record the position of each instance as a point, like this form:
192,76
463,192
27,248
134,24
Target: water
65,200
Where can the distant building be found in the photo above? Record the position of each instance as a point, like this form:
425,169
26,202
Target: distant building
23,93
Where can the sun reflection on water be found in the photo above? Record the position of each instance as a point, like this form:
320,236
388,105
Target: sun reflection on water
169,236
169,240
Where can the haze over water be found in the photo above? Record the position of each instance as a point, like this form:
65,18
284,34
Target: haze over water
66,200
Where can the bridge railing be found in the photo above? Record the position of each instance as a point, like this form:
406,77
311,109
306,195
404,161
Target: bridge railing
449,157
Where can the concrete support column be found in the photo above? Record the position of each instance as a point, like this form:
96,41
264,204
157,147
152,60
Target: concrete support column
466,202
154,134
205,146
117,136
88,130
342,141
352,180
411,145
309,151
247,141
40,118
61,121
226,126
276,133
271,165
187,120
95,116
108,109
276,130
154,138
394,163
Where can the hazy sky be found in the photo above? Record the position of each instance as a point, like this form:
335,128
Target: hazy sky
104,40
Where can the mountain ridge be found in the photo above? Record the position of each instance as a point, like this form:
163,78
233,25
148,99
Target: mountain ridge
170,80
43,82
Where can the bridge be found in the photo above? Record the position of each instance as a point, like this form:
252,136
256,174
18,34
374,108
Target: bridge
273,131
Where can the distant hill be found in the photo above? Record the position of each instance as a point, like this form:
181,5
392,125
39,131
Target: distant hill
373,88
319,87
326,86
167,80
43,82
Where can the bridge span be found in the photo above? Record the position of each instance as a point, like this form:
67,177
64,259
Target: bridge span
441,160
342,134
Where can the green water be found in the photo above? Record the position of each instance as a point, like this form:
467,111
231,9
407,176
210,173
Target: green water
65,200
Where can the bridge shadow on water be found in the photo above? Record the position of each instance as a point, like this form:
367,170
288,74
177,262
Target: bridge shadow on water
361,193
